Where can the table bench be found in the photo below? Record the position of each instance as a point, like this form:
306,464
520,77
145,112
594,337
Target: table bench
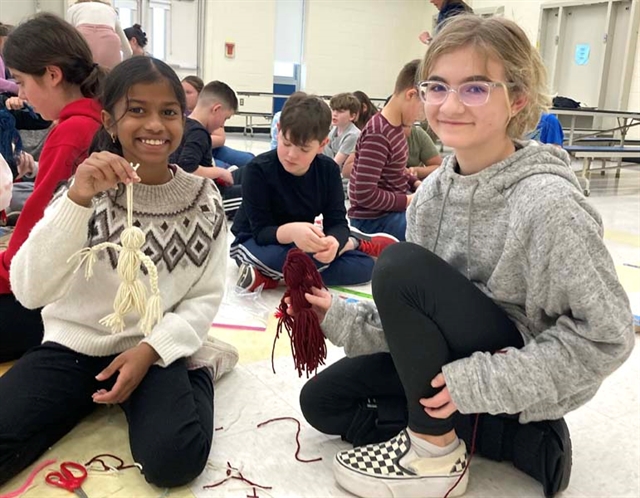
589,153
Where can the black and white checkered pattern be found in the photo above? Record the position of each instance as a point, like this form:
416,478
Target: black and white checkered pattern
459,466
380,459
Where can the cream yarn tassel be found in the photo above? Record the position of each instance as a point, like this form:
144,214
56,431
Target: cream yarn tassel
132,293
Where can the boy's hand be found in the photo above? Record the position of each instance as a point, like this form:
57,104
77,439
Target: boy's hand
307,237
319,299
409,199
327,255
132,366
225,176
99,172
416,184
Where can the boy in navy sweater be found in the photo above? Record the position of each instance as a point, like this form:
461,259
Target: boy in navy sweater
285,191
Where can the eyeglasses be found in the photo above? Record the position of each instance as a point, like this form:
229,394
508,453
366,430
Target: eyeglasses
471,94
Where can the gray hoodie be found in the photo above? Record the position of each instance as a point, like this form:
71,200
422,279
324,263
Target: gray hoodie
521,231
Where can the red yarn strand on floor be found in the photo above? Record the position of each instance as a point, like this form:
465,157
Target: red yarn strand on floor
105,467
238,477
298,448
303,327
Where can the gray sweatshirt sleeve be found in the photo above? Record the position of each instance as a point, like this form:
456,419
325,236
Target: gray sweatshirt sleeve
355,327
571,282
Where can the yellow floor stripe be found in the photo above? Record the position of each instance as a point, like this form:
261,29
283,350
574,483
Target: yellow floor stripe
255,346
621,237
629,278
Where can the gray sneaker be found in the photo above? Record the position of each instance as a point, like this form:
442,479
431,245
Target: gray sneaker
216,355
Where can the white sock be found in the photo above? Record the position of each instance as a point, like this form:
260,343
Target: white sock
425,449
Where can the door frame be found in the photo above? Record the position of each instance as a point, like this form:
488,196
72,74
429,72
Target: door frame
629,52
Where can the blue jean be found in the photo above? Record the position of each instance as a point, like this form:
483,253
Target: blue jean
351,268
226,156
393,223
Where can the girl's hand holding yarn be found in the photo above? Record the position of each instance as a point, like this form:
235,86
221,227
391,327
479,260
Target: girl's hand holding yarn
101,171
320,302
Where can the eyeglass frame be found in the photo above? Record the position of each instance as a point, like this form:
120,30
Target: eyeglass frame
450,89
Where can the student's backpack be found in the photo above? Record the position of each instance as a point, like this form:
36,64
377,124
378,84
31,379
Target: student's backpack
565,103
10,140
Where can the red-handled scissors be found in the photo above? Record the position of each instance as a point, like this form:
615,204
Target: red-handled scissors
70,477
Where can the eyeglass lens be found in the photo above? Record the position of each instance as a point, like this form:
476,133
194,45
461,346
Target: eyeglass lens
471,94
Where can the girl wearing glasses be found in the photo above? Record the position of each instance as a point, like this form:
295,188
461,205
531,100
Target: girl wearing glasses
504,302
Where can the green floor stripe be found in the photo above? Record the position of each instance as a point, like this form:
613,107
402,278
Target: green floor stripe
352,292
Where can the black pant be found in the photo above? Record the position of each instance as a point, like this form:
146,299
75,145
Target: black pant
48,391
20,328
431,315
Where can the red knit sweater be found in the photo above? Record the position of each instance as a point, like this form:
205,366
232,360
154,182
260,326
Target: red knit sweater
64,149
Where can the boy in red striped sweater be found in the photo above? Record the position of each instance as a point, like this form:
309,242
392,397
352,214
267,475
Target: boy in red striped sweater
380,186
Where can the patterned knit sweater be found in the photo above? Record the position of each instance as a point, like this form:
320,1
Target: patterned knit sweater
185,237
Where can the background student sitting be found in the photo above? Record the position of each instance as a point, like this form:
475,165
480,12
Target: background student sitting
423,153
344,134
284,191
216,103
379,185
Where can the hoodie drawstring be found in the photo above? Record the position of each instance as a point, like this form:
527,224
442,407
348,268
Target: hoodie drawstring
473,191
444,203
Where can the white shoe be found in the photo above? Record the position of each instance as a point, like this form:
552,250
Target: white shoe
393,470
216,355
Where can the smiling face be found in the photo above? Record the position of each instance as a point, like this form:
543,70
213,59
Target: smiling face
463,127
148,123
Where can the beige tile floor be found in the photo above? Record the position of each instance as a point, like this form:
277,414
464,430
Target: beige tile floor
605,432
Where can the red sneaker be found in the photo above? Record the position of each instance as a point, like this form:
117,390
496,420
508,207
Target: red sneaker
250,278
372,243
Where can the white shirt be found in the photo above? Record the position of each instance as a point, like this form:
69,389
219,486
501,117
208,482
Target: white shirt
99,13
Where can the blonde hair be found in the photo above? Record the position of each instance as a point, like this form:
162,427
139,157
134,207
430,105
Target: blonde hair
504,41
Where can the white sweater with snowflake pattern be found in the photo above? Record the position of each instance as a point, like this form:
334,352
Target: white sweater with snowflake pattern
185,230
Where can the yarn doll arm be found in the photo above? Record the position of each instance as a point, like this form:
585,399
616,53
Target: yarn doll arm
356,327
184,328
40,273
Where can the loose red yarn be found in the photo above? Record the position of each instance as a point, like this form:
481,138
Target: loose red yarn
307,340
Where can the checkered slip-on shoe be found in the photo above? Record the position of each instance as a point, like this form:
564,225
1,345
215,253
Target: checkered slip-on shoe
393,470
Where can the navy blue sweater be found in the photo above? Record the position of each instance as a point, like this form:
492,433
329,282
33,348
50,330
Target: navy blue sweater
271,197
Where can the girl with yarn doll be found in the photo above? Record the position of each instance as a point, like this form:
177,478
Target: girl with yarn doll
97,351
503,302
52,64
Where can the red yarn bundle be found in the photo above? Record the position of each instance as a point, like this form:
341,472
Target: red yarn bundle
307,340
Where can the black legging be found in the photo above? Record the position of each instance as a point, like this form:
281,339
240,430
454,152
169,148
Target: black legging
431,315
20,328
